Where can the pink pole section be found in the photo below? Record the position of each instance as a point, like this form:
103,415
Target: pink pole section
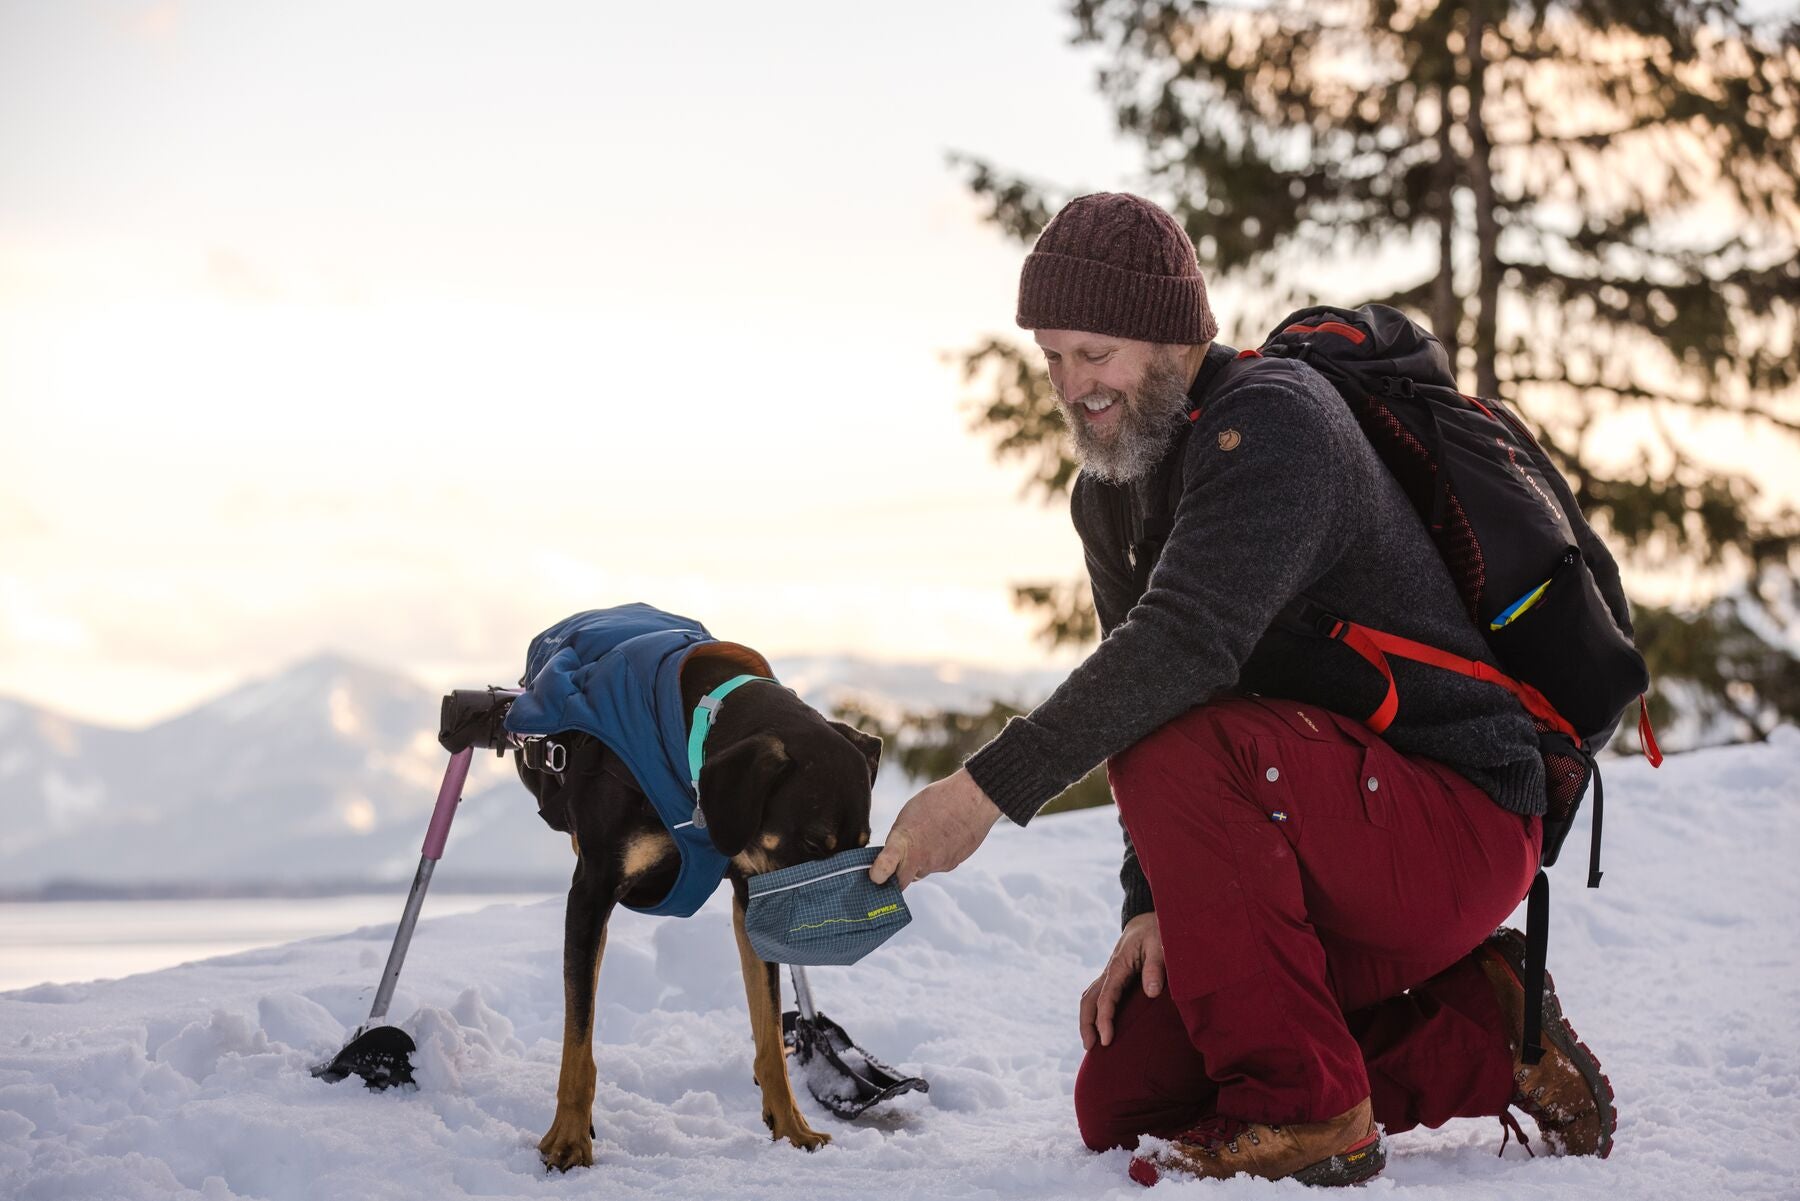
449,793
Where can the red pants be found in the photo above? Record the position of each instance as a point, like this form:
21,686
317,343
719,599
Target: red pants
1306,875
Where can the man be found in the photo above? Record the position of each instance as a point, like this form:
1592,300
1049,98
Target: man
1288,875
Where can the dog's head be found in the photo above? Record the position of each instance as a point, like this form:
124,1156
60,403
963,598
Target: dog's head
789,791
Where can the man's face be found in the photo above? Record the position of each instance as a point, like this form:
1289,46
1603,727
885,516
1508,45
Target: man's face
1122,399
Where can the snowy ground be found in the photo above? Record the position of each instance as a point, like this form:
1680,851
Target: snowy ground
193,1082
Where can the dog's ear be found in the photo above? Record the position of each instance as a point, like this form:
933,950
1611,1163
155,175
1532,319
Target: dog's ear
734,789
868,744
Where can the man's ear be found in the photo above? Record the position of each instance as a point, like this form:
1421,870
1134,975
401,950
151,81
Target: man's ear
868,744
735,784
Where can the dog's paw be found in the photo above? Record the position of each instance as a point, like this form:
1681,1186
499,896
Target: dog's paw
569,1144
795,1130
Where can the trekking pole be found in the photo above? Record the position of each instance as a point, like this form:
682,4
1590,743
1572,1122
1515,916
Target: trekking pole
379,1053
841,1076
456,774
803,998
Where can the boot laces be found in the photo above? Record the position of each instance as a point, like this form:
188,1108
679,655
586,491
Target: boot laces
1509,1126
1210,1134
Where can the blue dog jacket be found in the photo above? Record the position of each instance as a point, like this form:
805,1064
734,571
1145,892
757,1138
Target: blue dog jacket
616,674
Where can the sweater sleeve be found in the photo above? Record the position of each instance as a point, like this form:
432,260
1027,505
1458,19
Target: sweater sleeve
1135,882
1263,514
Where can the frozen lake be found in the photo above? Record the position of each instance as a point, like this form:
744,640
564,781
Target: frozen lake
64,942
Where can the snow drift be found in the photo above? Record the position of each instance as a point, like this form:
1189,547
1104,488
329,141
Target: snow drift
193,1082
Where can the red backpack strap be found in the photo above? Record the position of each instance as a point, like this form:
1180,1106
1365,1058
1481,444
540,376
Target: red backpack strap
1375,646
1647,735
1358,640
1195,412
1330,327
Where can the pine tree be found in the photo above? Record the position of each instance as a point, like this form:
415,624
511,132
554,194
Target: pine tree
1592,203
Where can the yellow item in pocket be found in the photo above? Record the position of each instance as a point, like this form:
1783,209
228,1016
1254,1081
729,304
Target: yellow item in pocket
1518,608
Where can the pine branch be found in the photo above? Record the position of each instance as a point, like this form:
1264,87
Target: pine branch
1593,145
1020,207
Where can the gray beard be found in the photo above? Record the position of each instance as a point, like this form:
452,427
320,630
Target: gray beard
1147,425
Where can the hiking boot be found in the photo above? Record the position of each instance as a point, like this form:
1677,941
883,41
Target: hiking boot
1342,1150
1565,1092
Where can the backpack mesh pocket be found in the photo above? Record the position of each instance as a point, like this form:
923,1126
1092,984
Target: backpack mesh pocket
1567,772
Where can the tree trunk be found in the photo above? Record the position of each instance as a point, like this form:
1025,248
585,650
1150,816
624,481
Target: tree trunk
1446,306
1487,220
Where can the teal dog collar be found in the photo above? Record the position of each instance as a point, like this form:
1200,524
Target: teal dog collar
705,713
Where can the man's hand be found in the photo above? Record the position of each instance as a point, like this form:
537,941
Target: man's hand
1139,953
936,830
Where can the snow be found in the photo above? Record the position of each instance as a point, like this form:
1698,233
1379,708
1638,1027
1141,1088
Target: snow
193,1082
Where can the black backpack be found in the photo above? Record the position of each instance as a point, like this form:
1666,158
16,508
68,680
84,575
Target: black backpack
1522,556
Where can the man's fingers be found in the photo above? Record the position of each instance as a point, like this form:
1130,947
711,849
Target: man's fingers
1111,985
1088,1005
1155,975
892,856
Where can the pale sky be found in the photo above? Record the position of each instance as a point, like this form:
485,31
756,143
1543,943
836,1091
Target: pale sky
406,329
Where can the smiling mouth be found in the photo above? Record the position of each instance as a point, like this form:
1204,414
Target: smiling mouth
1096,410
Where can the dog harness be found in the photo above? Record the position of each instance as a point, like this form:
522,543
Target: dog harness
615,674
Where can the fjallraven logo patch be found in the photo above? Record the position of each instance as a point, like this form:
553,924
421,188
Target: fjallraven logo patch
1230,440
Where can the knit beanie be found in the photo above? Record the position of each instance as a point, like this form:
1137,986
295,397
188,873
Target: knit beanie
1113,263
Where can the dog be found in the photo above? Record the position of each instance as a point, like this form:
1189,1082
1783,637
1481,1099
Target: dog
780,785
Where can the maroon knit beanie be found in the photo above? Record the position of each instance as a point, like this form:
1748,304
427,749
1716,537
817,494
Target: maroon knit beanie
1113,263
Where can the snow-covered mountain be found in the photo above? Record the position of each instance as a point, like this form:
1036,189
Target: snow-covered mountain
324,773
310,773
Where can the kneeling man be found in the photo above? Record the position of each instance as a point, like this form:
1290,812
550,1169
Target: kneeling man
1309,907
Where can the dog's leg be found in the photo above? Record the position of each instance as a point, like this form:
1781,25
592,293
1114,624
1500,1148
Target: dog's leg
570,1141
762,988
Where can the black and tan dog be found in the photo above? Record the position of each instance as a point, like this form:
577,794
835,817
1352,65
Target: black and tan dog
780,785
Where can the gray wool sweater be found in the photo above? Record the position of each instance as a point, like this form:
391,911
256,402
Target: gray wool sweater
1280,493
